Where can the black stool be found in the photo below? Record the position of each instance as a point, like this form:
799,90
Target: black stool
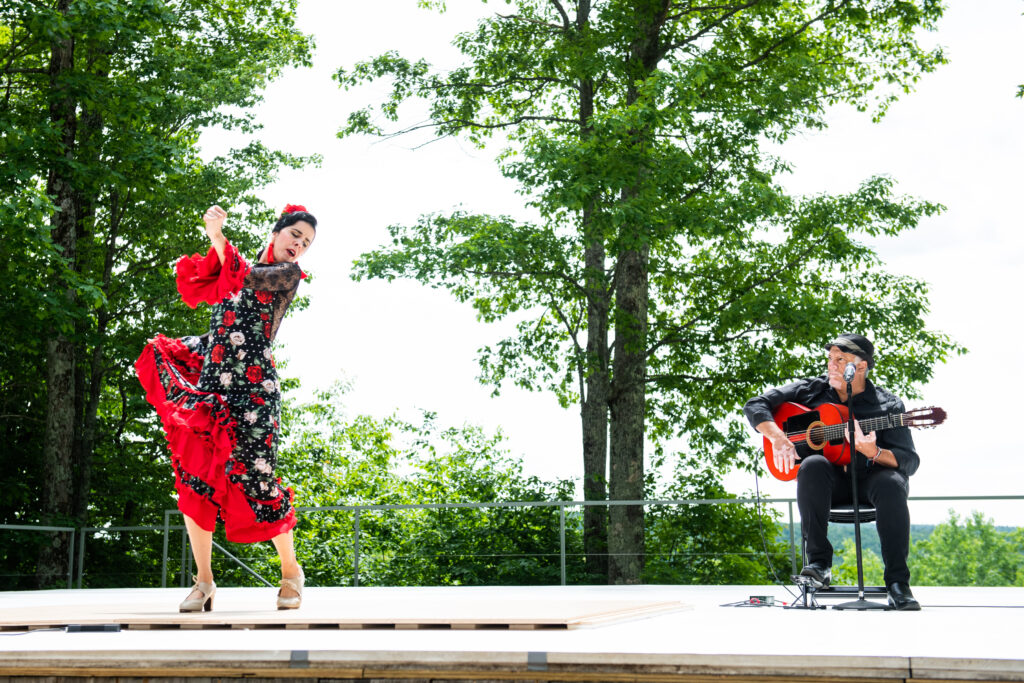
843,514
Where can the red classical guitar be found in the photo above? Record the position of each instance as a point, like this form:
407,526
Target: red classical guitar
823,430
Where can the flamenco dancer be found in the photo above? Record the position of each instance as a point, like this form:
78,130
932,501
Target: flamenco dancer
219,399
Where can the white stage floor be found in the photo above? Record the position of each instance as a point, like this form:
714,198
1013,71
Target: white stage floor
961,634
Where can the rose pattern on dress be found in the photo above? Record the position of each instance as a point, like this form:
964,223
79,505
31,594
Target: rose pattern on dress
247,381
209,386
254,373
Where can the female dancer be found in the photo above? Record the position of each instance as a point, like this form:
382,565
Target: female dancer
219,399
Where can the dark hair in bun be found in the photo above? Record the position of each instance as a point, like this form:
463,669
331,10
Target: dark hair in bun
292,214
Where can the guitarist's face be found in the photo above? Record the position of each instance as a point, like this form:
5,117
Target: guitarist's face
837,361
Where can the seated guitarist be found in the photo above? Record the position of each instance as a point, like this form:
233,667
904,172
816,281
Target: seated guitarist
891,459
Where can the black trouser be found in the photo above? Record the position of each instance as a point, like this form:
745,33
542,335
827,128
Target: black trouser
820,485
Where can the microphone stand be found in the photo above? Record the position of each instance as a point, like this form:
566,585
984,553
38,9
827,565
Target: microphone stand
860,603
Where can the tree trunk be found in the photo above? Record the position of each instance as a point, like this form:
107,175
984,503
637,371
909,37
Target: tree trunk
626,523
629,373
89,131
60,352
594,402
594,409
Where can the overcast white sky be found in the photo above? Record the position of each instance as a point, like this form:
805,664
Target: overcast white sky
956,140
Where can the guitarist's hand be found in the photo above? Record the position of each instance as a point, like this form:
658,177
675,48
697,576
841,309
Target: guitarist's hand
864,443
784,453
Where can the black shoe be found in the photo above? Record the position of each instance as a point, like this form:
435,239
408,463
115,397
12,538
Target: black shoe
900,597
818,572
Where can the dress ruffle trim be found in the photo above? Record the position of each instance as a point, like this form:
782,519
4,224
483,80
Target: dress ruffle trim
198,425
200,434
203,278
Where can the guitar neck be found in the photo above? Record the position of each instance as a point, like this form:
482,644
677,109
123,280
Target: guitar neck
871,424
877,424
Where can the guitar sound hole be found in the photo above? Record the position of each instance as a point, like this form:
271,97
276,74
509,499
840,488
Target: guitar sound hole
816,438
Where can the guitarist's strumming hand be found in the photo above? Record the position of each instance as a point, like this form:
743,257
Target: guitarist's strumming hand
783,450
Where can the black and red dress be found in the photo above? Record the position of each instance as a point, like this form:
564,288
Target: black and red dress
219,398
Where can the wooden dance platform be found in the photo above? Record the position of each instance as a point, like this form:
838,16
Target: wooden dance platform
688,634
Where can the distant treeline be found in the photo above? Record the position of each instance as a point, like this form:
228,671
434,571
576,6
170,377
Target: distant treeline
968,551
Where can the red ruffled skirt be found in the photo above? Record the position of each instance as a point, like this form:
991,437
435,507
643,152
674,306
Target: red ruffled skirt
200,431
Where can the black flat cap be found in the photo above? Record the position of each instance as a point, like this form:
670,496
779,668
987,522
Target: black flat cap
856,344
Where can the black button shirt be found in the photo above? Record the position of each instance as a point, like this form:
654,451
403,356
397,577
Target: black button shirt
872,402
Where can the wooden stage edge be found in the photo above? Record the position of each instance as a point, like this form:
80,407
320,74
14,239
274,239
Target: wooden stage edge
300,665
683,634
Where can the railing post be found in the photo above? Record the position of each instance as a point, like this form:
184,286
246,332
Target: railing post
163,562
81,556
355,552
561,536
71,559
792,539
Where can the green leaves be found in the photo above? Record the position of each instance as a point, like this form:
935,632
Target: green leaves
666,258
969,552
332,459
668,155
146,77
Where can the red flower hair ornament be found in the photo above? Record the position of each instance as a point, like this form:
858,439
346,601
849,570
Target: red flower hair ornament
292,208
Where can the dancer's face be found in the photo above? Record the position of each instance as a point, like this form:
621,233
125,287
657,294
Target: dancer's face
292,242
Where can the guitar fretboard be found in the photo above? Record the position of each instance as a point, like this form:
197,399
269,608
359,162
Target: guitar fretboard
871,424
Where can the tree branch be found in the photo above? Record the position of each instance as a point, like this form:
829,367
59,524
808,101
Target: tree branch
694,378
538,22
714,24
465,123
789,265
529,273
785,39
566,24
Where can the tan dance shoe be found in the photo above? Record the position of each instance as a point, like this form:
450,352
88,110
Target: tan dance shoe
204,603
296,585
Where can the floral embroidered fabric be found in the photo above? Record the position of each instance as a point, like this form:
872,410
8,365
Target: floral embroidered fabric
219,398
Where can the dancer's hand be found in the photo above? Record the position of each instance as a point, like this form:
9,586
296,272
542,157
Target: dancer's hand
214,219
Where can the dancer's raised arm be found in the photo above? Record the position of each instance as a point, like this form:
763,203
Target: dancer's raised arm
214,219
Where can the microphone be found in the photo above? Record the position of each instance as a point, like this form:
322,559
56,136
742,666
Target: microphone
849,372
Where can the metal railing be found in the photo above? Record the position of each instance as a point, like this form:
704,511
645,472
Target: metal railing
359,510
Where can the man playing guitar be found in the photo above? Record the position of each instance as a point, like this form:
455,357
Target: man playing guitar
891,459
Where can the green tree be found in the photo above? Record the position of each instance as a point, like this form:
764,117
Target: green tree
103,190
331,459
668,275
971,552
710,543
844,573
